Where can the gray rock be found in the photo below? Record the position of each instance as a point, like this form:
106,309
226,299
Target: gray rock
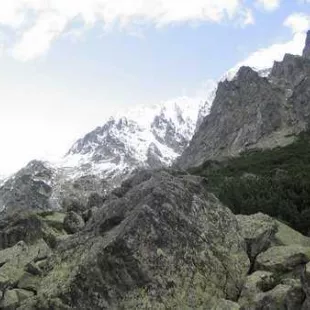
282,297
306,51
255,284
10,300
29,282
30,188
306,279
285,235
280,259
73,222
258,231
253,112
166,235
223,304
13,298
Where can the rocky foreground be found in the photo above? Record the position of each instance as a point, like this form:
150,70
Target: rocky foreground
160,241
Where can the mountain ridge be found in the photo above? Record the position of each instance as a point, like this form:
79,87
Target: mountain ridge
253,111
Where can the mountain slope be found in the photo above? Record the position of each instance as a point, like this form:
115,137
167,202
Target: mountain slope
148,137
252,111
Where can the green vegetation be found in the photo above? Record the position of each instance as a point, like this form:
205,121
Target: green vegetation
275,182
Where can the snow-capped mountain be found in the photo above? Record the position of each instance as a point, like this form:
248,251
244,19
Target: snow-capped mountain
147,136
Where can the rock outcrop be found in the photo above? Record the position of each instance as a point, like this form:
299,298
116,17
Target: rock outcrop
40,187
30,188
160,241
155,243
306,51
252,111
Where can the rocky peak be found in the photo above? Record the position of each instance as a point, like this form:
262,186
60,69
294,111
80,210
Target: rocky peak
306,51
146,137
246,74
251,111
290,72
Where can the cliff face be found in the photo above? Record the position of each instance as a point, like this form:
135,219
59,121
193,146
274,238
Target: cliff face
254,112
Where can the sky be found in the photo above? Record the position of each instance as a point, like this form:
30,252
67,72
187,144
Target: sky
66,66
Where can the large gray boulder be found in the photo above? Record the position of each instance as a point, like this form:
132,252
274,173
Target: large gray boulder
73,222
258,231
164,243
280,259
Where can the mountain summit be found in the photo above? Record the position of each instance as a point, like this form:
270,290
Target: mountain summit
252,111
145,137
306,51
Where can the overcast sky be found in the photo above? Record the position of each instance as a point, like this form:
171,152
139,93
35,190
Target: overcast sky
67,65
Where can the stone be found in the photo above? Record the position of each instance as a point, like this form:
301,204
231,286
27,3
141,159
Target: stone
223,304
280,259
54,219
10,300
29,189
306,304
285,235
73,222
173,245
29,282
258,231
256,283
33,269
18,257
23,294
22,226
306,279
13,298
281,297
306,51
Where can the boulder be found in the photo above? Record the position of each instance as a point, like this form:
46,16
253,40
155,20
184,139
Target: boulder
54,219
282,297
166,242
281,259
29,282
224,304
13,298
306,279
30,227
256,283
285,235
73,222
258,231
14,260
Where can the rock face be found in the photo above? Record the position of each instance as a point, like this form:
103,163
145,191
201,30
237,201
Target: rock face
252,111
30,188
73,222
306,51
147,137
40,187
278,276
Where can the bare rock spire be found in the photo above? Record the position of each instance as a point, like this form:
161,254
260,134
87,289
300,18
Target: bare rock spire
306,51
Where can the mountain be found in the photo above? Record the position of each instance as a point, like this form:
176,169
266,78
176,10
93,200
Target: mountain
144,137
252,111
70,238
